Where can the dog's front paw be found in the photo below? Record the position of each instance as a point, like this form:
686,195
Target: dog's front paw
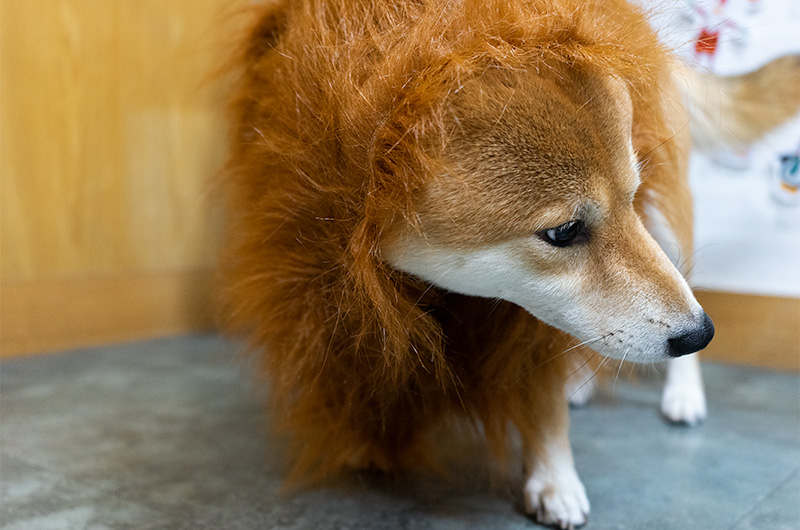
684,402
558,501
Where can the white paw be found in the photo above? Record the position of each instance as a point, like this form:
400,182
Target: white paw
684,403
558,501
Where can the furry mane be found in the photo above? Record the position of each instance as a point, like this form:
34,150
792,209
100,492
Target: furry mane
340,114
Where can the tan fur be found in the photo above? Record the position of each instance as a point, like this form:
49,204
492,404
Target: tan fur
738,110
363,129
340,117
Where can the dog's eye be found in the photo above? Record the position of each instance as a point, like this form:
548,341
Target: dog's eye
566,234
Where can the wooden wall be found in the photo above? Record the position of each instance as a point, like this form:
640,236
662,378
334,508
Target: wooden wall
111,130
761,331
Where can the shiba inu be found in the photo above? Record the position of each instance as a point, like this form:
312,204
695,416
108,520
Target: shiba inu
434,204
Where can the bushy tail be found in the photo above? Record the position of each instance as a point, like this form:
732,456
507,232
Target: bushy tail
738,110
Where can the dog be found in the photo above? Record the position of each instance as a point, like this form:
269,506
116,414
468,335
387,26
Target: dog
724,112
432,205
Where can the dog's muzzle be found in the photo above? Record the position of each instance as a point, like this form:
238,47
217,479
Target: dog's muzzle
694,340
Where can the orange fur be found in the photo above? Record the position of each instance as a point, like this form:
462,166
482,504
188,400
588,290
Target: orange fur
339,118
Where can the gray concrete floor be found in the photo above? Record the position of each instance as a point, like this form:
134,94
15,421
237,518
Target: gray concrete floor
170,434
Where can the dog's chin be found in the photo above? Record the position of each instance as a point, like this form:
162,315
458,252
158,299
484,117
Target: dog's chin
641,354
648,345
636,346
652,339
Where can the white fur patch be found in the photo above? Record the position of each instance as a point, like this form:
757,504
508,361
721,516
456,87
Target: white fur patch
684,399
554,494
625,323
660,229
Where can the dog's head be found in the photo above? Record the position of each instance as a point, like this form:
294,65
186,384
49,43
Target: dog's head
536,207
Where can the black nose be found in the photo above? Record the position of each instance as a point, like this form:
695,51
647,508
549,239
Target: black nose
695,340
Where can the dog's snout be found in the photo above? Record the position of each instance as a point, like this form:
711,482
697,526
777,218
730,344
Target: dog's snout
693,340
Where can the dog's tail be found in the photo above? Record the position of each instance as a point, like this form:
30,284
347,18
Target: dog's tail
738,110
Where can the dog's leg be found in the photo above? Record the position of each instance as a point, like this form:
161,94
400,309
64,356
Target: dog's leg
684,398
554,494
518,379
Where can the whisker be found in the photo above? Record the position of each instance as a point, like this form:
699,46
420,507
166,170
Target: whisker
621,362
654,367
584,343
560,355
599,367
428,289
584,363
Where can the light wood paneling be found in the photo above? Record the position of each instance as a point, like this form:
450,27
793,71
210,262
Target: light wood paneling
111,130
755,330
47,315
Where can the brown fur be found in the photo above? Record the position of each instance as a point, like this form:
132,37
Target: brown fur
761,100
343,111
739,110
